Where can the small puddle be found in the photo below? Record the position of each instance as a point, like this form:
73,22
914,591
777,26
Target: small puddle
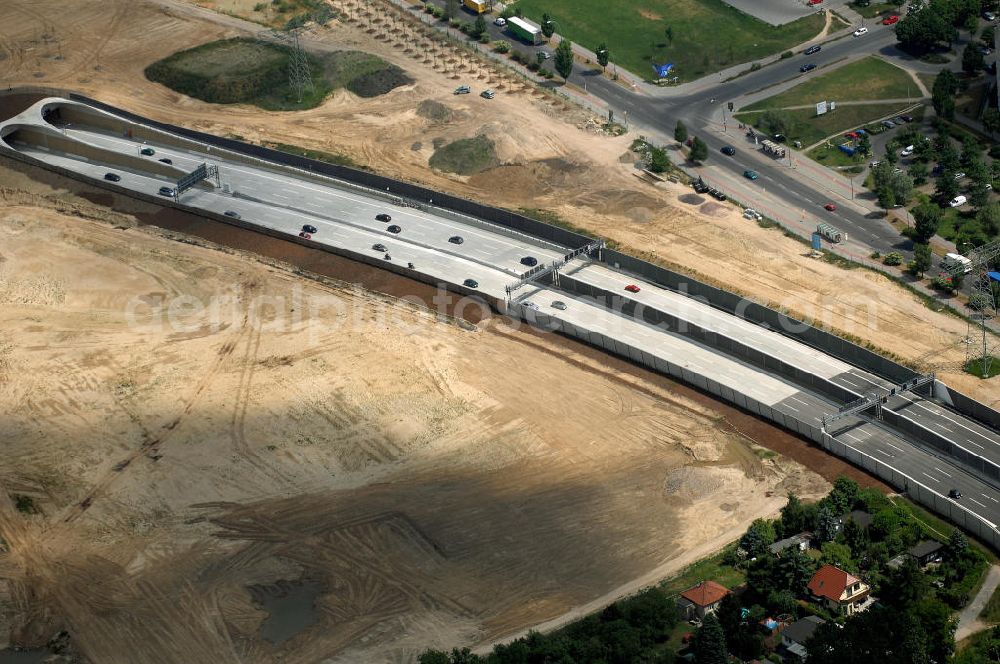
23,656
290,605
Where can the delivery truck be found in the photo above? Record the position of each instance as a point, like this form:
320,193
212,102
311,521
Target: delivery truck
477,6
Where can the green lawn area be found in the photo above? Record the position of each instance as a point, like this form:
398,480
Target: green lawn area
868,79
810,128
712,568
708,35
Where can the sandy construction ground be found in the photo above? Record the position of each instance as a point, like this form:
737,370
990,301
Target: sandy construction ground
198,429
432,484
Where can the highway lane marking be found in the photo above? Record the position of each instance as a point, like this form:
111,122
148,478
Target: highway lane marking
990,497
930,477
895,447
941,471
978,503
884,453
331,190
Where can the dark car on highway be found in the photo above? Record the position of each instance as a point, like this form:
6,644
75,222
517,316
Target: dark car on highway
379,247
112,177
149,152
728,150
955,494
812,49
166,191
394,229
308,228
383,217
808,67
456,239
232,213
165,160
530,261
471,283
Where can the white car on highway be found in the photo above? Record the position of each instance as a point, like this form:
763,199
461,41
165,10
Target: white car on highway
860,31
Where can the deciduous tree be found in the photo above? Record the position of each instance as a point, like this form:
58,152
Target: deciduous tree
699,150
564,58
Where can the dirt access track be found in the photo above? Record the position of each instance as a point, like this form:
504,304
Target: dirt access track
435,484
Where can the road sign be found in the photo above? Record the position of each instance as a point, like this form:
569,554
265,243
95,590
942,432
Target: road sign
817,241
192,178
821,108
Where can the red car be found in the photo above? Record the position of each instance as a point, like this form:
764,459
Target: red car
830,206
305,235
815,2
632,288
851,134
889,20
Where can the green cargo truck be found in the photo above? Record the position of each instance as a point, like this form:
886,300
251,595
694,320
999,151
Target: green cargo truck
524,29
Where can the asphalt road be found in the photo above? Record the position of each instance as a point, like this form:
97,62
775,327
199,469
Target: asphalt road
283,200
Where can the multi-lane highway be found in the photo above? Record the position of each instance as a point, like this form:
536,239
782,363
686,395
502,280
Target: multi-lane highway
283,200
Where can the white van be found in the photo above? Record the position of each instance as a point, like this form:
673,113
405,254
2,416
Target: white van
958,201
954,260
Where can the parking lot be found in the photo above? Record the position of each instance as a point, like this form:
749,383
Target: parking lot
779,12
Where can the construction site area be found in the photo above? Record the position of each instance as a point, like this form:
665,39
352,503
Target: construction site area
223,447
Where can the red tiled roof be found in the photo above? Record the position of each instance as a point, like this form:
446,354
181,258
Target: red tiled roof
705,593
830,582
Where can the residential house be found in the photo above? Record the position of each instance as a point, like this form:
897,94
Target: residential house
801,541
925,552
794,637
700,600
838,590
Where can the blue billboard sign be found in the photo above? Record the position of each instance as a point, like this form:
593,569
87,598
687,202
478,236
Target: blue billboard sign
662,71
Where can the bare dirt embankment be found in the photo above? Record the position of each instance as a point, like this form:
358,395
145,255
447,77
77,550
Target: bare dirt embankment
191,423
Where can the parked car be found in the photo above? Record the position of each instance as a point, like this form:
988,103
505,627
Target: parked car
717,195
149,152
700,187
958,201
831,207
487,94
989,16
861,31
112,177
750,175
165,160
560,305
812,49
379,247
906,152
232,213
899,120
456,239
167,191
544,55
463,90
815,2
889,20
959,175
888,124
500,21
808,67
907,118
394,229
305,236
750,213
728,150
309,228
530,261
471,283
851,134
383,217
632,288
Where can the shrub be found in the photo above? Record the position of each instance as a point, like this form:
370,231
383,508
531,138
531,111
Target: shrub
893,258
875,254
534,66
786,55
546,73
484,38
260,7
755,66
501,46
429,9
943,283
